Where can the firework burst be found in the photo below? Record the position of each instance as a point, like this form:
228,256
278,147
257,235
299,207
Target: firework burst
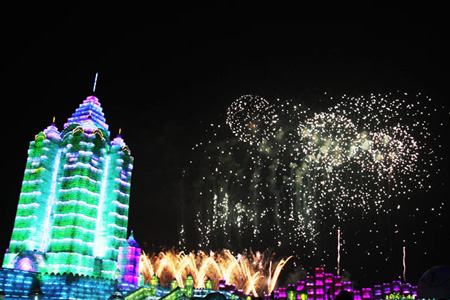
252,119
290,174
254,273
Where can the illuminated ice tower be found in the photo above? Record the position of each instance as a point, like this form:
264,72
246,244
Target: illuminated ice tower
128,264
72,215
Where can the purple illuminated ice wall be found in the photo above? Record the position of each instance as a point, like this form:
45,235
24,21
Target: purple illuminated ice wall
326,286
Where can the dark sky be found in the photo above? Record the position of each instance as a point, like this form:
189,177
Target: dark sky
160,83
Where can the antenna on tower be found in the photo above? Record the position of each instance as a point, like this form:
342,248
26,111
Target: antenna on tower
95,82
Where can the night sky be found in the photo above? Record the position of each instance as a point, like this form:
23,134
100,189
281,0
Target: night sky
162,84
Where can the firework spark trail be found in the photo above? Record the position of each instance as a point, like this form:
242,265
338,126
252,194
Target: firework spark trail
292,173
404,264
250,272
276,273
339,252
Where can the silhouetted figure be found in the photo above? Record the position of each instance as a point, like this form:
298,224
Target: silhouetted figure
344,295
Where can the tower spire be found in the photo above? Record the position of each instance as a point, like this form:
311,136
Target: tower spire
95,82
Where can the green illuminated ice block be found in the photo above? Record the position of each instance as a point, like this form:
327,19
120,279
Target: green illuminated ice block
72,215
